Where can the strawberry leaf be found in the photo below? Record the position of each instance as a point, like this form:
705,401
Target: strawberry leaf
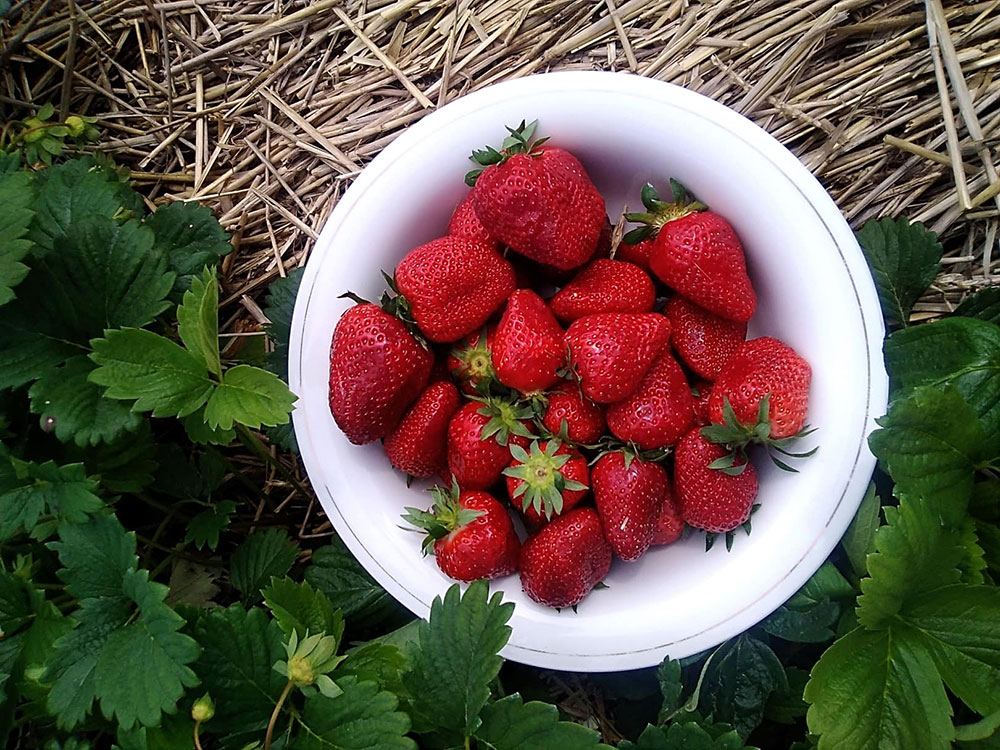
156,373
984,305
687,735
878,691
75,409
961,352
249,396
960,626
44,494
121,620
904,259
278,308
457,659
738,682
512,724
299,608
361,717
17,196
191,238
198,320
263,555
931,443
859,539
203,529
915,553
348,586
239,650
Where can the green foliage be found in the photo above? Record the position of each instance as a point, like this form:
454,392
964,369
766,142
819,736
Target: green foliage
17,197
121,620
810,615
204,528
904,259
347,585
959,352
457,659
984,304
38,496
262,556
878,690
687,736
298,608
859,539
512,724
191,239
363,717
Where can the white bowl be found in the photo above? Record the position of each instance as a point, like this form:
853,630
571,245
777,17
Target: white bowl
815,293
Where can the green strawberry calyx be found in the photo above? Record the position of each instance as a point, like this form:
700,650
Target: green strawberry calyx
476,364
737,436
444,517
659,212
710,536
631,451
519,141
506,418
541,479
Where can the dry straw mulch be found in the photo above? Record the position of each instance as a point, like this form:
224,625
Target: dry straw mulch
267,109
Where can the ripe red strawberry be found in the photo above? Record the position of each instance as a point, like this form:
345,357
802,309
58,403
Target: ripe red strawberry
471,361
538,200
377,369
563,562
470,534
611,352
637,254
452,285
464,223
629,495
660,410
417,445
704,341
528,347
702,392
670,525
583,419
760,368
697,253
715,500
546,480
603,286
479,438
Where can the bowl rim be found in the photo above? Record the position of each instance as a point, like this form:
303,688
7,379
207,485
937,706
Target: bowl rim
826,213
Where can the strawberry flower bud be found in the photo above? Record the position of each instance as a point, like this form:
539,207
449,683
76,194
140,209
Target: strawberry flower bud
75,125
310,660
203,708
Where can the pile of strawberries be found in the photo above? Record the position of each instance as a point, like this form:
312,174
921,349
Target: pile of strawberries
472,370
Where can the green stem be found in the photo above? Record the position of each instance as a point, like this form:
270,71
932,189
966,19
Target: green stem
467,741
274,714
197,739
252,442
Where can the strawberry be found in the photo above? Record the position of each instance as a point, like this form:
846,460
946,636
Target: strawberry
538,200
377,369
452,285
702,392
471,361
563,562
708,498
611,352
479,438
766,383
703,340
670,525
546,481
697,253
417,445
583,419
528,347
637,254
602,286
469,532
629,495
464,223
660,410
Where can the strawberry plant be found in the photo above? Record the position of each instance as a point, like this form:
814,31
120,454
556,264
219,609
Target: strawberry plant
143,606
